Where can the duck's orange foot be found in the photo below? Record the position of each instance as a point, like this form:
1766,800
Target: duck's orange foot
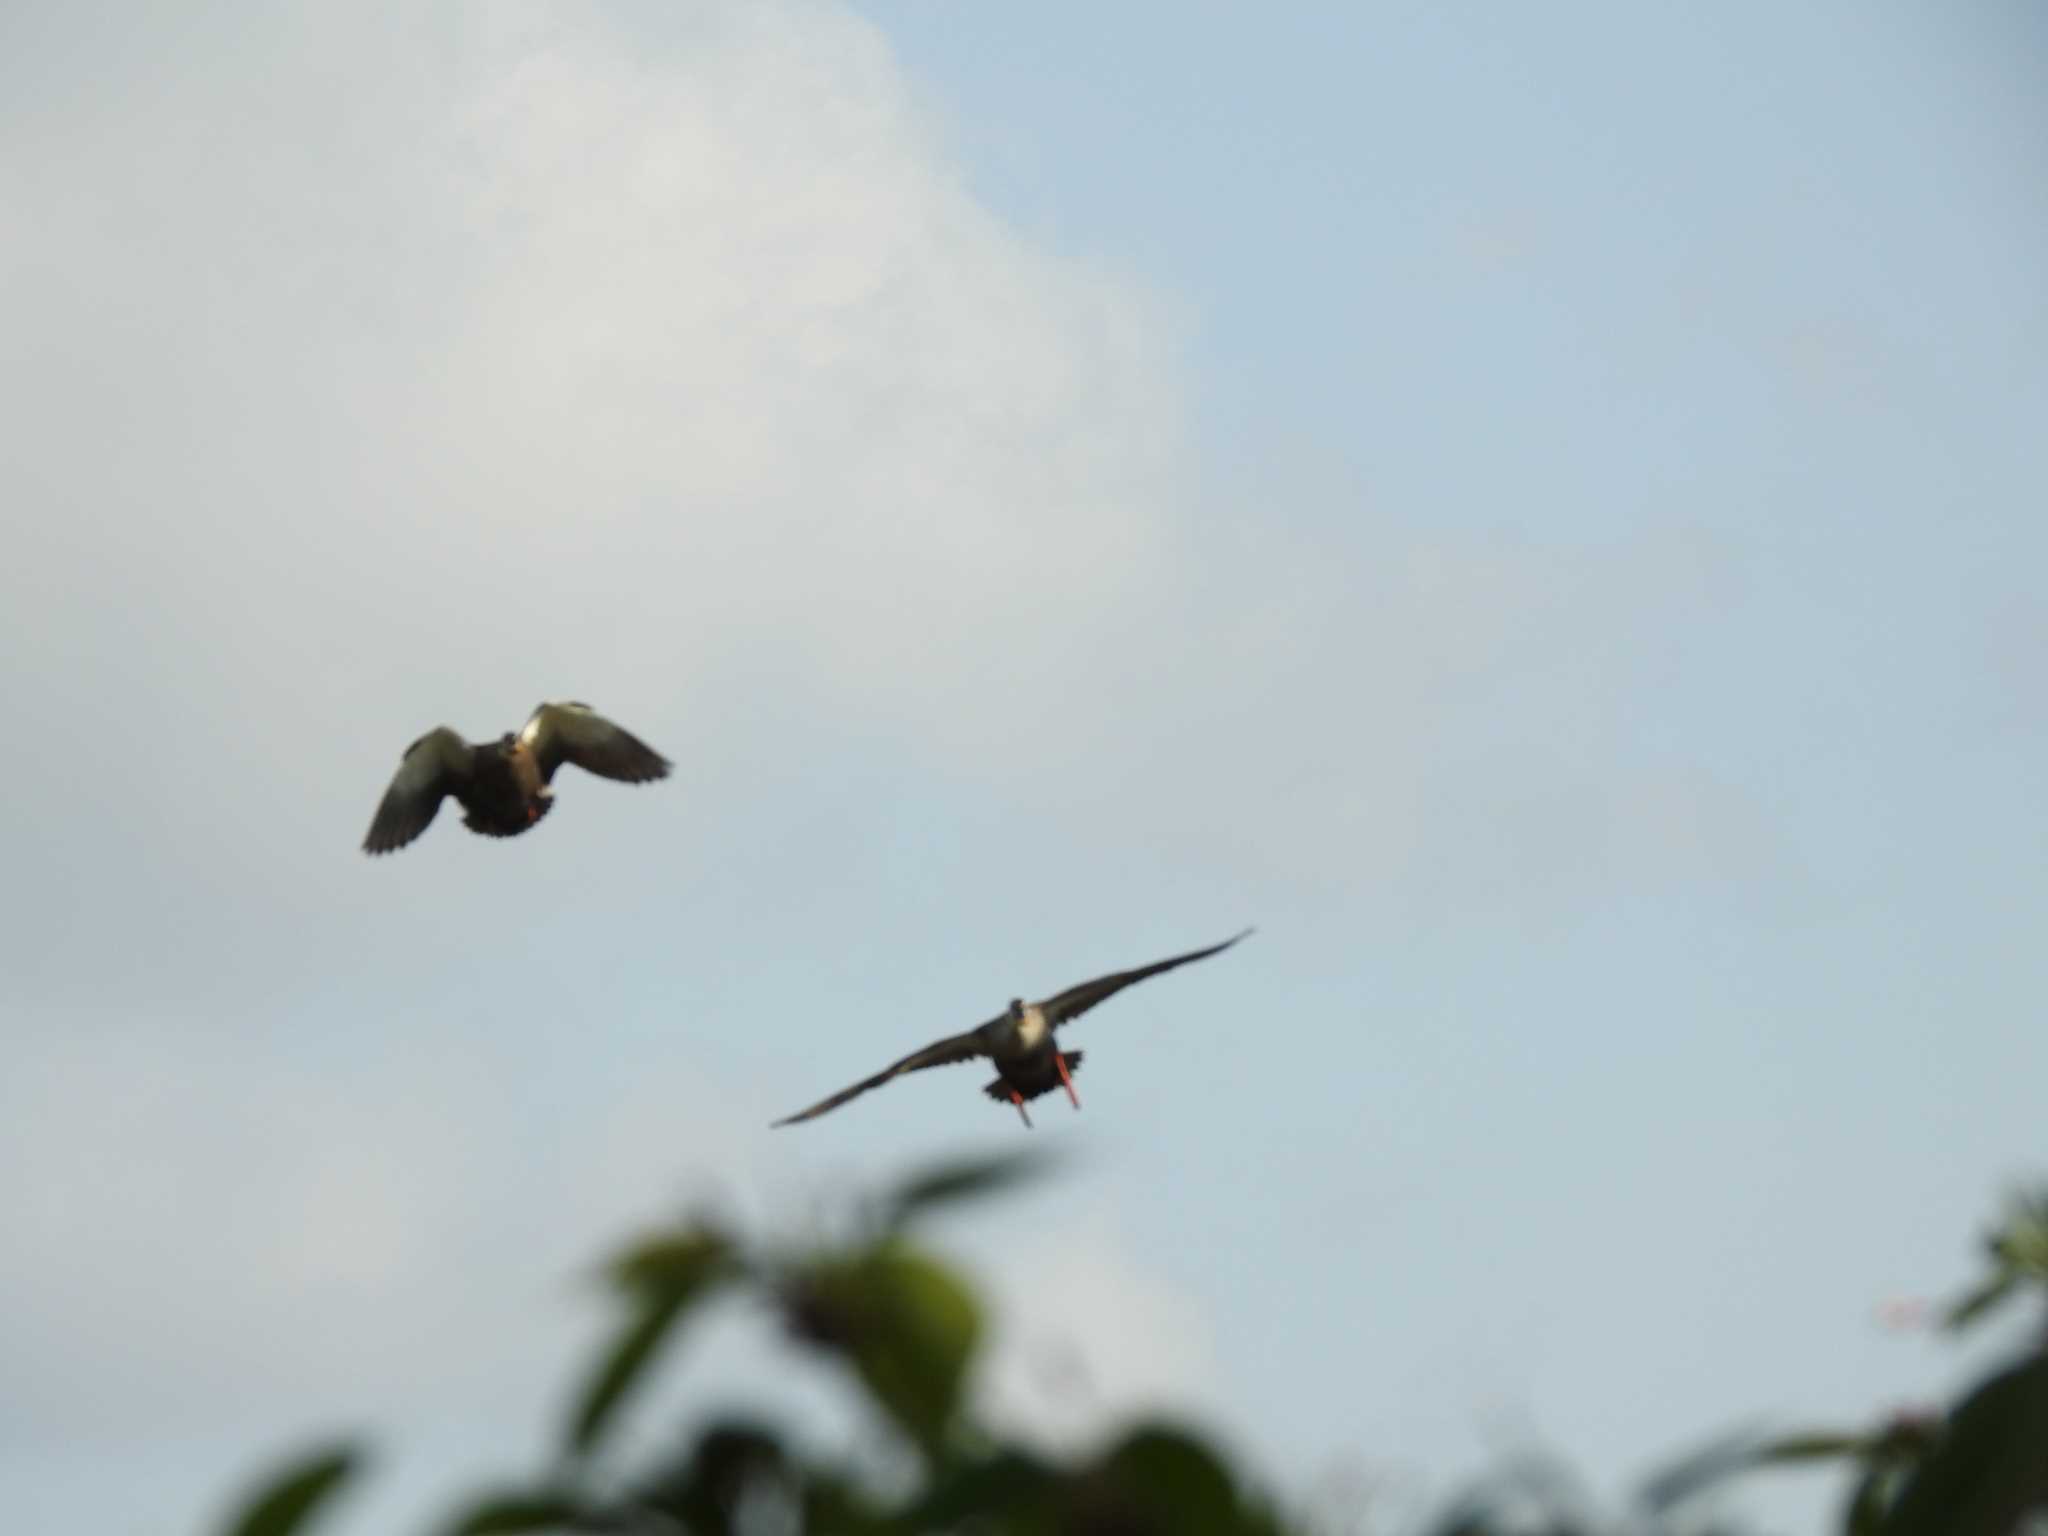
1017,1099
1059,1060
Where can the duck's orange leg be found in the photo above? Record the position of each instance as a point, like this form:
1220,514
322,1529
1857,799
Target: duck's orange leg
1017,1099
1059,1060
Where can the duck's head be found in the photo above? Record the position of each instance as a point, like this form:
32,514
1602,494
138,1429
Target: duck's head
1016,1009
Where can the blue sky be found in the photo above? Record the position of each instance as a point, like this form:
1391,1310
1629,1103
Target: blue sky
1539,513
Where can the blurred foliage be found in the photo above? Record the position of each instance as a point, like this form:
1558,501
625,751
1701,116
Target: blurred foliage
1980,1469
904,1329
289,1500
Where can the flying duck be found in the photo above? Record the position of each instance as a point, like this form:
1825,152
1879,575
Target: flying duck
502,785
1020,1041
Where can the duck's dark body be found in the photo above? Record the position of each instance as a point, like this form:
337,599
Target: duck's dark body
1031,1079
504,795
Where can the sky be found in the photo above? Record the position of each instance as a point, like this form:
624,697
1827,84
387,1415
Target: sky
1539,512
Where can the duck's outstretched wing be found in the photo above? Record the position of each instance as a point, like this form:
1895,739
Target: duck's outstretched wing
1075,1001
434,767
939,1053
575,733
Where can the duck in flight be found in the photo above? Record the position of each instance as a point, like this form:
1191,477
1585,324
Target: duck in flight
503,785
1020,1042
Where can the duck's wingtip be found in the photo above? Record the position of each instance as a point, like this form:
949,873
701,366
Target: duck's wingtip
650,772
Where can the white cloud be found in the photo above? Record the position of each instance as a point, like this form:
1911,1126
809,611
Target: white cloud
210,1238
1087,1337
249,1251
677,352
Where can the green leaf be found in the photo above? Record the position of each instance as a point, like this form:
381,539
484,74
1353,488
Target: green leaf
1982,1300
683,1262
1987,1467
1012,1484
285,1503
1819,1445
839,1504
1160,1479
963,1181
2024,1242
906,1324
1872,1496
621,1366
509,1514
706,1484
1697,1471
665,1276
921,1337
